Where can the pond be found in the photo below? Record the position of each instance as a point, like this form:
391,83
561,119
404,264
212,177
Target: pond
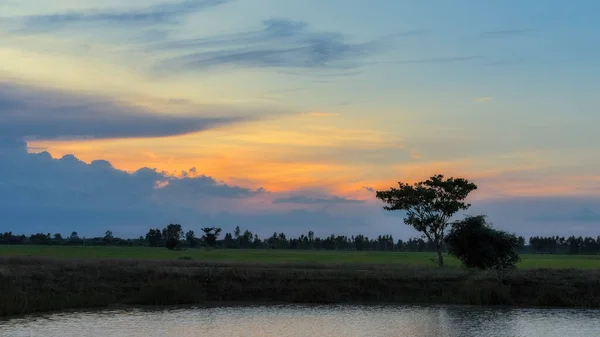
300,321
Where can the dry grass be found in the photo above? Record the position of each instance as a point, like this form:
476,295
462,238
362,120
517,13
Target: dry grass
44,284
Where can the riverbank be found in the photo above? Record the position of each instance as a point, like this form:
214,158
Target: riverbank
43,284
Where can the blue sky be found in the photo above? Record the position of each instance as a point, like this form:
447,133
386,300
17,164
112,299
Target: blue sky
308,102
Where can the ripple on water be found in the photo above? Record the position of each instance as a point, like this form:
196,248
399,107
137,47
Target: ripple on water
300,321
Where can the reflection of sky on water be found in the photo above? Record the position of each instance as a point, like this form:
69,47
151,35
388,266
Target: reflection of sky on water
301,321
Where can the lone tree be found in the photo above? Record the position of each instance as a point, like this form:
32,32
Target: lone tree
474,242
429,205
210,235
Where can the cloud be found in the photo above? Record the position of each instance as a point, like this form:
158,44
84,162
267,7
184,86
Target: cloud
369,189
279,43
43,194
316,201
324,114
550,215
168,12
447,59
195,187
582,215
38,113
178,101
504,33
483,99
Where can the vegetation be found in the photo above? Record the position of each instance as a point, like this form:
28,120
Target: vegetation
41,284
477,245
210,236
536,245
429,205
333,269
288,256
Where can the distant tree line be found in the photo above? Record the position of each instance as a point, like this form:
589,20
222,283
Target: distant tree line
173,236
561,245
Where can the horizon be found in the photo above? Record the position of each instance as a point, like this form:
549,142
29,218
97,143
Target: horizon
129,116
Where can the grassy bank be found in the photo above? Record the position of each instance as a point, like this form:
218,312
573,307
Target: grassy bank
43,284
286,256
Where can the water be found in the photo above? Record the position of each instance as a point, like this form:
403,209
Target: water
300,321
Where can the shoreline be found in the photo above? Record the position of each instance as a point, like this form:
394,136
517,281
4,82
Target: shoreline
32,285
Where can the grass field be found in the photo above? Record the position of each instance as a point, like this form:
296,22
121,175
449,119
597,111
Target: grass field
529,261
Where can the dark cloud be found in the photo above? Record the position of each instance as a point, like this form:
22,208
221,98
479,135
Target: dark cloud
168,12
48,114
316,201
205,186
579,215
369,189
552,215
279,43
42,194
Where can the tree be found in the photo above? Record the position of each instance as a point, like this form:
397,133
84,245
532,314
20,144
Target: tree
108,237
154,237
228,241
429,205
172,231
474,242
210,235
191,239
171,243
172,234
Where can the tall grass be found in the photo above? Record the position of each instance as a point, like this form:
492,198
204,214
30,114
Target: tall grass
43,284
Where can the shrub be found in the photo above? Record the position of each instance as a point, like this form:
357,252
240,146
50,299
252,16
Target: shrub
477,245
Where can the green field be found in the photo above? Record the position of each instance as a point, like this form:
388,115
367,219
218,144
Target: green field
285,256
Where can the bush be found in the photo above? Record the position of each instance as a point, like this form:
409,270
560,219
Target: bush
474,242
171,243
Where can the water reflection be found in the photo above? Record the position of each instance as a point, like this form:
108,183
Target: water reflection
300,321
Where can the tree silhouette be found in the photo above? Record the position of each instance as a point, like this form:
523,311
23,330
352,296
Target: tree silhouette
210,235
171,243
478,245
108,237
191,239
429,205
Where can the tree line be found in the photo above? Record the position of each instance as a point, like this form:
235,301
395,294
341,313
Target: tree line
245,239
429,205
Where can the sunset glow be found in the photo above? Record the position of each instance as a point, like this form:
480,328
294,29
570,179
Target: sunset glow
277,97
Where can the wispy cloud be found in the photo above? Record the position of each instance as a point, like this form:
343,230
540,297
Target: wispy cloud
169,12
48,114
503,33
447,59
305,200
324,114
279,43
483,99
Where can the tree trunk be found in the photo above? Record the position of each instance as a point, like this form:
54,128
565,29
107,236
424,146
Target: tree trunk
440,256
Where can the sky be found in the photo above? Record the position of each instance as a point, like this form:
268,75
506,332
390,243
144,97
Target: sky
281,115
